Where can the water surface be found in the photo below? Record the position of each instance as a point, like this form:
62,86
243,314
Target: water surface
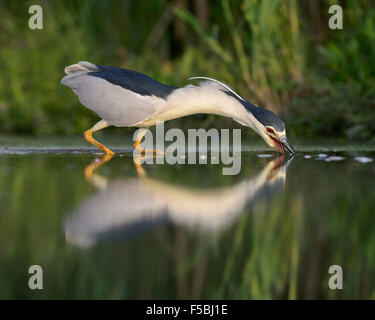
187,231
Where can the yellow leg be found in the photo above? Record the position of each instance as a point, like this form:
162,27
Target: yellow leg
141,150
88,136
142,153
136,144
140,134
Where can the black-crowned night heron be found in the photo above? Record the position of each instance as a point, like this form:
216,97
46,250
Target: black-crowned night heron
126,98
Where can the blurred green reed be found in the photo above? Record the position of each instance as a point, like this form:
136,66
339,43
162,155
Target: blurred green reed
268,61
278,54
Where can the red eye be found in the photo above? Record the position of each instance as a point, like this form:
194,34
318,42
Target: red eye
270,130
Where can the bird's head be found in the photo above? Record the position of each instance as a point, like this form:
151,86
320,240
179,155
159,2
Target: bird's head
271,128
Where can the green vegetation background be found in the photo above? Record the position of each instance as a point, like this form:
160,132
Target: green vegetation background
278,54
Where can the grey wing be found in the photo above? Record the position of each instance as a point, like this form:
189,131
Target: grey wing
120,97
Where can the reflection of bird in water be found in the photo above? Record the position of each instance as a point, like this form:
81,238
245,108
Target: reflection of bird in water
126,98
130,206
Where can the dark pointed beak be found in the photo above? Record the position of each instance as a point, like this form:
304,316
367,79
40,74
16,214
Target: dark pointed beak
284,141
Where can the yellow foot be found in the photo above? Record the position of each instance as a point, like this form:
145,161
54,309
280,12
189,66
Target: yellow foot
144,152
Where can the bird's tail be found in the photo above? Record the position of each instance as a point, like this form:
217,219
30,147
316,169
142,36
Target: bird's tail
77,69
80,67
